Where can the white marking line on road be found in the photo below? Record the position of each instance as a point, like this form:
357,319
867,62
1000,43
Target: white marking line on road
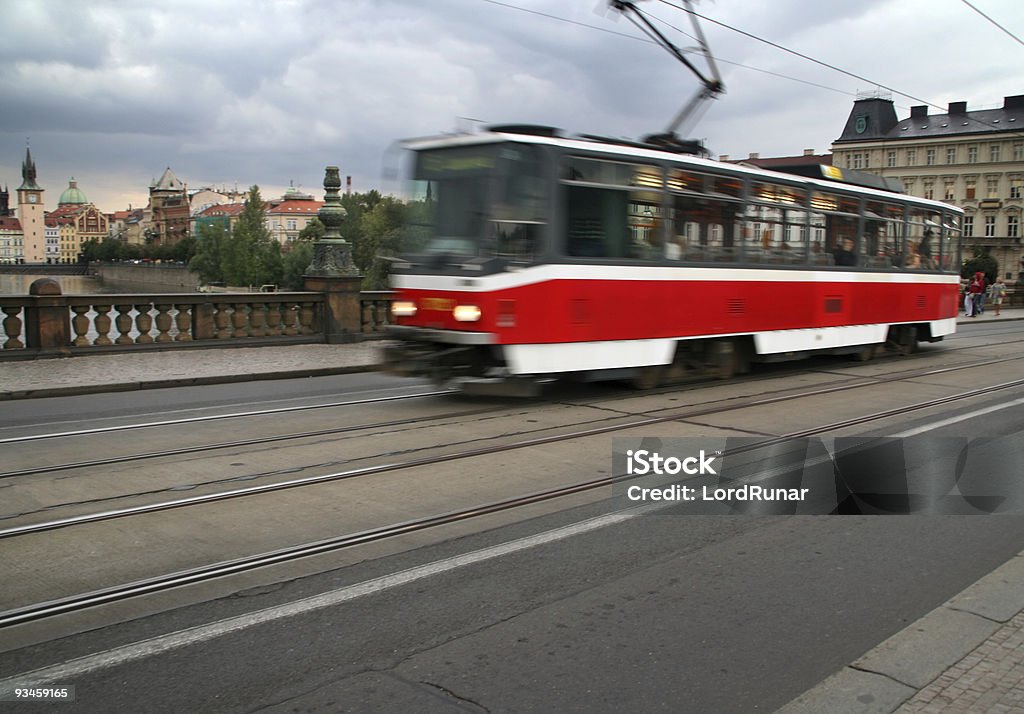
71,669
962,417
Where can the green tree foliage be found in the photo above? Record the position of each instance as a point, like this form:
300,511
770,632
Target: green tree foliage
981,262
314,230
380,238
240,256
211,243
295,262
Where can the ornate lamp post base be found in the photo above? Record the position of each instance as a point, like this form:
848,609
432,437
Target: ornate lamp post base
332,271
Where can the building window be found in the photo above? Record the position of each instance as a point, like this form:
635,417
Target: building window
972,154
993,188
951,155
929,190
993,153
950,191
971,189
968,226
857,161
1012,226
890,159
930,157
911,157
1015,185
990,226
1018,152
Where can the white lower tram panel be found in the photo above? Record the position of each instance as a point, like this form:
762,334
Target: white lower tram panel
588,356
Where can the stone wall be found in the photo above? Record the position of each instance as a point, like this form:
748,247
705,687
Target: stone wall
148,277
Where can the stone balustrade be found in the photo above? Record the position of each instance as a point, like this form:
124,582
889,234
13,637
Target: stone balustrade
46,322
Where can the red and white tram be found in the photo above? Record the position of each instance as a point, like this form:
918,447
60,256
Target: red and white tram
543,256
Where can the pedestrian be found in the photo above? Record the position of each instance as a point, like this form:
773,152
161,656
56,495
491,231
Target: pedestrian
998,293
977,293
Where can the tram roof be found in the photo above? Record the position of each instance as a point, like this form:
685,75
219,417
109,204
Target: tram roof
637,151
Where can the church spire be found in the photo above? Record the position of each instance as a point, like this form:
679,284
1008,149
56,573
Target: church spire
28,173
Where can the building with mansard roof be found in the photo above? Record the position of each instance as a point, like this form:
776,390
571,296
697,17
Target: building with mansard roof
973,159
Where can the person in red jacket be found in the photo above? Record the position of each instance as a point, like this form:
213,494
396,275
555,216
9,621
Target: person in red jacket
977,292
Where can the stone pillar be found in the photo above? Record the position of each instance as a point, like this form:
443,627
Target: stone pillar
47,321
332,271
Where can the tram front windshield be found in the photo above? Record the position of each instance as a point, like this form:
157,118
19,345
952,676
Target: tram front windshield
479,202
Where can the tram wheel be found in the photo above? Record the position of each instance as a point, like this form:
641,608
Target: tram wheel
866,353
648,377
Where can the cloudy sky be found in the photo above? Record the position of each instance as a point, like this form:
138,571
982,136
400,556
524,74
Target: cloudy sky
233,92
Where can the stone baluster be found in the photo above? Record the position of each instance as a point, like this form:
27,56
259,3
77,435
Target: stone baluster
12,328
273,319
144,323
163,323
257,319
183,321
290,318
240,320
222,321
102,324
80,324
123,323
307,313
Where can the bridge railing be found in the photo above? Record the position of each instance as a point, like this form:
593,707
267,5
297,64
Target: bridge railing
46,324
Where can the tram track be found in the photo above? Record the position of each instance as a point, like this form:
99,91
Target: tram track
678,414
241,443
200,574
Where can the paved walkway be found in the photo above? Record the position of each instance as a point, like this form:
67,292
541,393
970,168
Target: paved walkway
112,372
966,656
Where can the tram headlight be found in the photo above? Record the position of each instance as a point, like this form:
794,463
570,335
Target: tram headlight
466,313
403,308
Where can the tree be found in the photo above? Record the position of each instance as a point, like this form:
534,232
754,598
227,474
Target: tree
314,230
251,256
295,263
213,238
982,262
380,237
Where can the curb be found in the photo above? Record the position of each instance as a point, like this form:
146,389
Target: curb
883,679
85,389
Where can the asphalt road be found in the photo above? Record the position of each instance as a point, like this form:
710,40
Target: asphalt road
577,610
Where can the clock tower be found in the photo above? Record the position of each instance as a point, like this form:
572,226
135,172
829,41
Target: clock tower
31,214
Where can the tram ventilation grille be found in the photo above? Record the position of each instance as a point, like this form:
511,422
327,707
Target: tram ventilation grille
833,304
922,302
737,306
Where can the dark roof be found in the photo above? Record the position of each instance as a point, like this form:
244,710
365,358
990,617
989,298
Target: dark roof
872,119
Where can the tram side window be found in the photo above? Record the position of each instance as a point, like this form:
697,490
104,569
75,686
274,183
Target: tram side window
883,233
923,239
705,212
949,246
613,209
776,219
841,222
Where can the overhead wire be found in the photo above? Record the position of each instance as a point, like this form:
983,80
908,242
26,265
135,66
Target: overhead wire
1019,41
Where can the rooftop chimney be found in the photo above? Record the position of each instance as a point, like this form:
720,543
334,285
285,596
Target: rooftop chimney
958,107
919,111
808,152
1016,102
723,157
754,155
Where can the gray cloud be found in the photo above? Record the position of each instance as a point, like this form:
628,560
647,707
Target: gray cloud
270,92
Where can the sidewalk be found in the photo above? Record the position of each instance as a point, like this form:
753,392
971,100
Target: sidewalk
125,371
966,656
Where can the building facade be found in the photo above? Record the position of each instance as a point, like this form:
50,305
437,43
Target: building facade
168,216
31,214
971,159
